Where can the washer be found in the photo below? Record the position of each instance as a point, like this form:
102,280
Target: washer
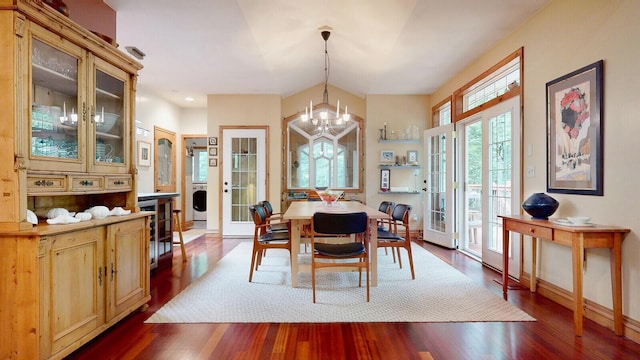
199,202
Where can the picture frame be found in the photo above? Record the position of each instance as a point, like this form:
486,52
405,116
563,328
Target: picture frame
412,156
213,151
144,153
385,179
575,132
213,162
387,156
213,141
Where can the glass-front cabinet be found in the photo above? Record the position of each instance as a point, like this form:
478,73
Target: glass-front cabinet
78,103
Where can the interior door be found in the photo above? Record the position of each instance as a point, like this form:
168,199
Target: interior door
244,179
165,160
438,191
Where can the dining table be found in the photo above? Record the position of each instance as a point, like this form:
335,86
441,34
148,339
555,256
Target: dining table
300,213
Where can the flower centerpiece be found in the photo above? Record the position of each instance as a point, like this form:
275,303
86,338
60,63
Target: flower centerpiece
329,197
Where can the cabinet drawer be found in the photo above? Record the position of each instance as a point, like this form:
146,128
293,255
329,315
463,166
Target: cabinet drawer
46,184
119,183
531,230
86,183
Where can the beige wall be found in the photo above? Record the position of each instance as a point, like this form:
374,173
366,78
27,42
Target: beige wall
238,111
399,112
563,37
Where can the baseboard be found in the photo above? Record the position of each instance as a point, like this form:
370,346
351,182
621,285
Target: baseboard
592,311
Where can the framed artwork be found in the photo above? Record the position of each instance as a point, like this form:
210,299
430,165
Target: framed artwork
385,179
213,162
213,141
574,128
387,156
213,151
144,153
412,156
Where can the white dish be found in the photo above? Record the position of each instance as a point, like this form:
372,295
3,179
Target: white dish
565,222
579,219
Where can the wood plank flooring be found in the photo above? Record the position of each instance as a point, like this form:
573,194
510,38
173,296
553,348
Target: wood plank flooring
550,337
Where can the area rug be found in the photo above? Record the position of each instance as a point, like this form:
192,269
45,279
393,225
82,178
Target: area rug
439,293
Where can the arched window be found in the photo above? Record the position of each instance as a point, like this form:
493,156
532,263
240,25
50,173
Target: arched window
328,155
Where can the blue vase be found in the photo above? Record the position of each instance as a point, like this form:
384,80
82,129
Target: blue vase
540,206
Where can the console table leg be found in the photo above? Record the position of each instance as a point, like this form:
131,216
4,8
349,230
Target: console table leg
615,261
578,261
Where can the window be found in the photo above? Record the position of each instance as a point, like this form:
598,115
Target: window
498,84
441,113
319,157
200,165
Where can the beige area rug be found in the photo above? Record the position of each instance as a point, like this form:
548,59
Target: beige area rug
439,293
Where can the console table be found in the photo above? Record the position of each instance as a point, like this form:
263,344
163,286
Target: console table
578,238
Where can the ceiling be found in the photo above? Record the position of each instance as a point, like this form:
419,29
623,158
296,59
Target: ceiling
199,47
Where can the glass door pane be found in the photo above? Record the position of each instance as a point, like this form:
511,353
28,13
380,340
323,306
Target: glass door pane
108,117
56,118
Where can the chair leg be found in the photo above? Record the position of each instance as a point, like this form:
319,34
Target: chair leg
410,255
399,257
253,263
313,281
176,213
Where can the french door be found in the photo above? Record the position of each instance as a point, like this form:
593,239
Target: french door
244,160
438,191
490,168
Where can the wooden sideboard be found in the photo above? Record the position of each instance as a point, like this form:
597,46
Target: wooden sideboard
578,239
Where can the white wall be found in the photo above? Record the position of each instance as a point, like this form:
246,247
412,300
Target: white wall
561,38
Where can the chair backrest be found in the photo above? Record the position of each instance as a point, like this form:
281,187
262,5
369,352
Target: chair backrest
401,213
386,207
258,213
340,223
267,206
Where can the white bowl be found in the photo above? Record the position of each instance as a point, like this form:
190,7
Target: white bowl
578,220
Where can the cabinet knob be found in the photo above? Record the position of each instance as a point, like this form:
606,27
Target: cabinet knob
86,183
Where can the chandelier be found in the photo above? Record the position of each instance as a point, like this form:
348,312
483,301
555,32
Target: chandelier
321,121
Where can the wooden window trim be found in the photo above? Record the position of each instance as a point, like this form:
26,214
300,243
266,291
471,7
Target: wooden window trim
457,101
435,110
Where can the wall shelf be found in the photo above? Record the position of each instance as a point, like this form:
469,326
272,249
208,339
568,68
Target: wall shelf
399,141
399,192
382,166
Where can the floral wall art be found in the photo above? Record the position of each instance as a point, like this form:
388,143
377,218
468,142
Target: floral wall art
574,126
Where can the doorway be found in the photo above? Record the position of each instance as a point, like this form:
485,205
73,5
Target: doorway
244,177
194,181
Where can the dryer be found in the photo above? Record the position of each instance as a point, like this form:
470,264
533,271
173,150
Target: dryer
199,202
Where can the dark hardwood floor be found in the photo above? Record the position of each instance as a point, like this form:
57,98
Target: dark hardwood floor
550,337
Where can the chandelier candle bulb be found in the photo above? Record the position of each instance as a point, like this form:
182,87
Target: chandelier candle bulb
338,109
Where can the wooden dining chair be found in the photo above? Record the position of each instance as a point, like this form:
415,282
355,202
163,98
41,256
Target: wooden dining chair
345,227
264,239
275,219
398,236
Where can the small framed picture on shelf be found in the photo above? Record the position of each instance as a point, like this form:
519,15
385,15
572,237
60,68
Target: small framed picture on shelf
213,151
213,162
412,157
387,156
213,141
385,179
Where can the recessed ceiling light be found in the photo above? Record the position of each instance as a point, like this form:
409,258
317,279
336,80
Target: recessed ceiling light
189,98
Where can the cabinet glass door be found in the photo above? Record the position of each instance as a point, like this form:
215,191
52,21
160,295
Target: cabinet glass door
108,118
57,122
